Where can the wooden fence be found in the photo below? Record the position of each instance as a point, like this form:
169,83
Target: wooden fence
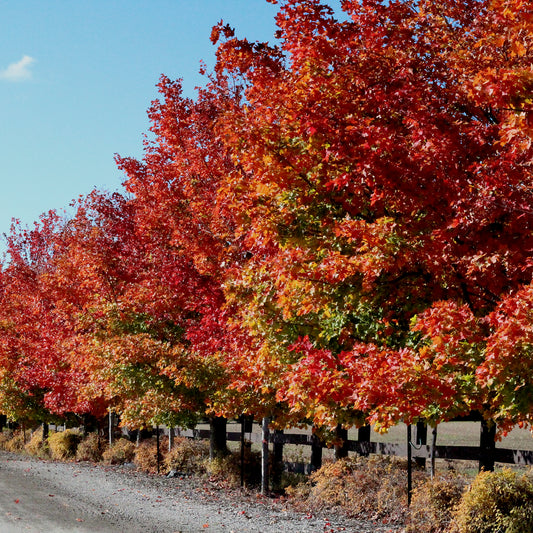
484,455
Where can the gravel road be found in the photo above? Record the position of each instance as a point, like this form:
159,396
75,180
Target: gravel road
48,497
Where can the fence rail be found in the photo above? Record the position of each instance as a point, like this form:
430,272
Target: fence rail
461,453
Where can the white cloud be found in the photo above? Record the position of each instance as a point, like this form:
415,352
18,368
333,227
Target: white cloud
19,71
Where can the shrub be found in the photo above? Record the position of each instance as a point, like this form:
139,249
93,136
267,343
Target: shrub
374,487
15,443
496,502
63,444
433,503
187,456
146,456
36,446
91,448
5,437
226,470
122,451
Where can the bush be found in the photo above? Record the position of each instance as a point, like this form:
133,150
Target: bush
36,446
91,448
187,456
122,451
226,470
433,503
496,502
5,437
146,456
14,442
63,444
374,487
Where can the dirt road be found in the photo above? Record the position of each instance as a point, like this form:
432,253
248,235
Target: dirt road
49,497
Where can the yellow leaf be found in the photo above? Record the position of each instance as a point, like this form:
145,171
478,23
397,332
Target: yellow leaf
518,48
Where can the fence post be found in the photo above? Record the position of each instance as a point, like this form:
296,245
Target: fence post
265,434
170,438
487,445
158,452
432,451
110,428
409,466
277,459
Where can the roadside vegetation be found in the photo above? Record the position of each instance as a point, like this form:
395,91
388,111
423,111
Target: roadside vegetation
374,487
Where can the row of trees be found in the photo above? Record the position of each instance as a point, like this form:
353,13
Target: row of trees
338,228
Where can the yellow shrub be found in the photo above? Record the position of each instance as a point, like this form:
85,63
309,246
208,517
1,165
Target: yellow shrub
36,446
227,469
374,487
91,448
63,444
15,443
122,451
5,437
497,502
433,503
146,456
187,455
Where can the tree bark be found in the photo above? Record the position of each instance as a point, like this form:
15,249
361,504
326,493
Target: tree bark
218,446
316,452
341,449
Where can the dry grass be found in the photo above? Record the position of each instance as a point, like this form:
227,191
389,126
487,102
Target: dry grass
146,456
373,487
433,504
63,445
122,451
91,448
187,456
14,442
36,446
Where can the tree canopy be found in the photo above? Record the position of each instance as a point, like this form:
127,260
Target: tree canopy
337,228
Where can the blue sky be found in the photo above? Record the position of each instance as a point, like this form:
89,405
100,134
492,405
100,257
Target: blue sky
76,79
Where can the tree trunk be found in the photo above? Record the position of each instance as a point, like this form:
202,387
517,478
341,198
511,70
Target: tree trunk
341,449
363,437
316,452
218,441
46,431
487,445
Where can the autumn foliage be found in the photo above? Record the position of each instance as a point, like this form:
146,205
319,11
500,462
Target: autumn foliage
337,228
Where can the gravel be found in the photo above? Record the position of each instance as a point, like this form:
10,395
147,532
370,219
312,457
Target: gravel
45,496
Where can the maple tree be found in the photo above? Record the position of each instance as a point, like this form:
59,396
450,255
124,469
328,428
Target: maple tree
191,232
337,228
37,376
386,182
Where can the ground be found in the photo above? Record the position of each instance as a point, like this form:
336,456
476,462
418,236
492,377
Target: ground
46,496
